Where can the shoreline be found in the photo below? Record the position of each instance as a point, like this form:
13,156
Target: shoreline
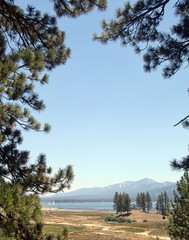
79,207
52,209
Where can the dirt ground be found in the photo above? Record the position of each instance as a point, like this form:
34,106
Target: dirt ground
94,227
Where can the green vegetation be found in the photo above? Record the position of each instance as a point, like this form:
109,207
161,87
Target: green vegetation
163,204
137,24
179,217
120,219
122,202
143,202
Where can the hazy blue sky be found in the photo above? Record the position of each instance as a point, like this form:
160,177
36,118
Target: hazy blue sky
110,120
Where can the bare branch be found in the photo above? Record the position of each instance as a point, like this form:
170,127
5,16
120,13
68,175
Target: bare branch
182,120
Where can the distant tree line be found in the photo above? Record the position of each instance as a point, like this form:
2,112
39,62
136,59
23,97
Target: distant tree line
144,202
163,204
122,202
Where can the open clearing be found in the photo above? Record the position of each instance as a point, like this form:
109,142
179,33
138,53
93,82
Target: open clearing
91,225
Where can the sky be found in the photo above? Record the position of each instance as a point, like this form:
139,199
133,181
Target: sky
110,120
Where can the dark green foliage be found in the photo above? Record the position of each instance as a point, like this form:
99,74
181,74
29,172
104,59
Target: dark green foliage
121,219
115,200
148,202
143,202
122,202
111,218
35,178
163,204
64,235
138,24
179,217
76,8
30,44
126,203
18,211
180,165
138,201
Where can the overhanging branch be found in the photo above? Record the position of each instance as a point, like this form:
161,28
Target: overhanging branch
182,120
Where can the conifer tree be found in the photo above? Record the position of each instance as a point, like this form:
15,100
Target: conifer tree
138,24
138,201
126,202
31,44
178,165
115,200
120,203
166,203
158,204
143,201
148,202
163,203
179,218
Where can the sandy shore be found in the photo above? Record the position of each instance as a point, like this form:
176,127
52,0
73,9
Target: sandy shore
49,209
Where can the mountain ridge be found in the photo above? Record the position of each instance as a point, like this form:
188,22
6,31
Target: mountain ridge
107,193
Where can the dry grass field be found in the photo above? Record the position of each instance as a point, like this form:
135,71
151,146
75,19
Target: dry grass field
91,226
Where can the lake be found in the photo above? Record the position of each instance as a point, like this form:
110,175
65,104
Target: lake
82,206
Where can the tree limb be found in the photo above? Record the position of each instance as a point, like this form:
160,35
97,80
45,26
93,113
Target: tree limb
182,120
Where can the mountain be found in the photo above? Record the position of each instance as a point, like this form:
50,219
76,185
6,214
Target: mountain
107,193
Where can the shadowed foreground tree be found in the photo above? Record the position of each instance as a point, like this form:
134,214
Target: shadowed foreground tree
179,219
30,43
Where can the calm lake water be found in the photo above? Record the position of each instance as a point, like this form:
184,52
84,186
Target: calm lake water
82,206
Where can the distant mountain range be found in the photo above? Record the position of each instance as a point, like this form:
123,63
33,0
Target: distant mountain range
107,193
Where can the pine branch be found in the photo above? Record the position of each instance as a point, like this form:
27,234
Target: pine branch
182,120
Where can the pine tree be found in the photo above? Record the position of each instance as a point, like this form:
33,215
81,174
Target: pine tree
126,200
31,44
143,201
166,202
148,202
163,203
115,200
158,205
120,203
138,23
138,201
179,217
179,165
